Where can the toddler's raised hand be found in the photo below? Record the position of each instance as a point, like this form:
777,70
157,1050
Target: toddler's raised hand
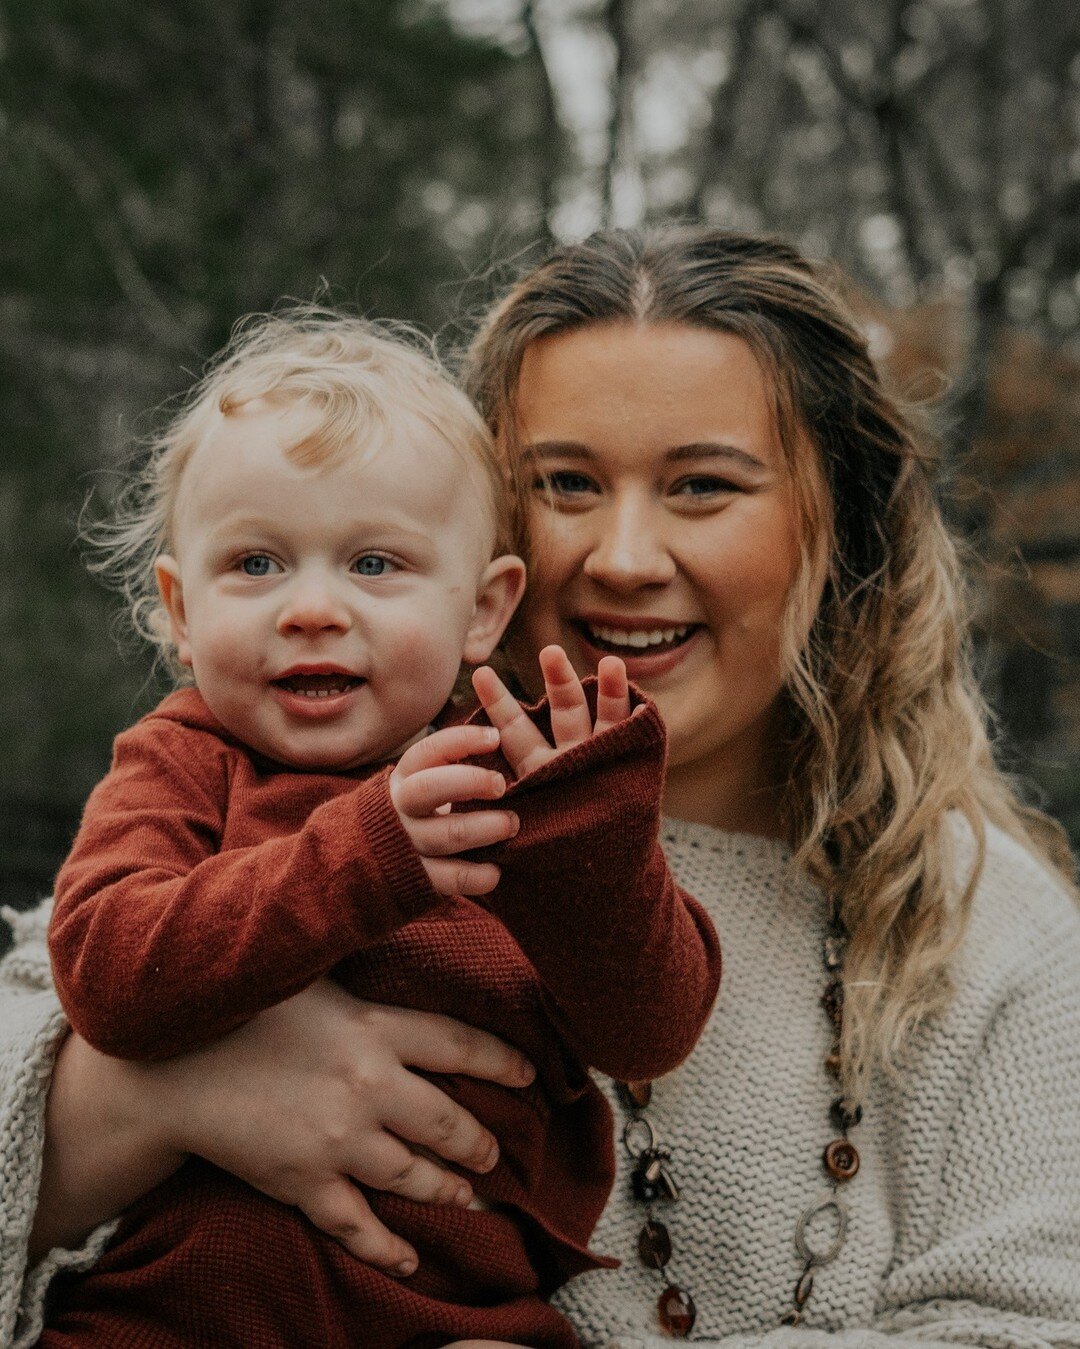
523,744
430,778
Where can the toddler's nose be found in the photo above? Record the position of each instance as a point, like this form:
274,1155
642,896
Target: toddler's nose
313,605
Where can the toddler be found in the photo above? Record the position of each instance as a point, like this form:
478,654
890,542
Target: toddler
329,532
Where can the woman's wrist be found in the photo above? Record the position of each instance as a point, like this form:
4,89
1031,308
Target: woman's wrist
107,1143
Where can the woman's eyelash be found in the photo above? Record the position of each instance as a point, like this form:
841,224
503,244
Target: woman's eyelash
562,480
704,485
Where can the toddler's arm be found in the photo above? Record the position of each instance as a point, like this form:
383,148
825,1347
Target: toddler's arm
161,943
631,962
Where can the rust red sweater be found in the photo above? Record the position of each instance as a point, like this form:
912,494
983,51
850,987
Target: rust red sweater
207,884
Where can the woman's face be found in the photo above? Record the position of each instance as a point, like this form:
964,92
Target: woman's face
665,532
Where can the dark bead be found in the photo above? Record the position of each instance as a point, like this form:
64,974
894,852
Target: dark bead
634,1095
677,1311
845,1114
654,1245
834,1061
834,952
645,1191
833,1001
791,1319
804,1288
841,1159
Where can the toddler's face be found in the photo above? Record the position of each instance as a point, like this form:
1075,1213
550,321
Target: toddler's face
325,611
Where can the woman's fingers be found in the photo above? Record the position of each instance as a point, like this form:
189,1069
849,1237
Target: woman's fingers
570,719
612,693
340,1210
388,1164
523,746
441,1044
483,1344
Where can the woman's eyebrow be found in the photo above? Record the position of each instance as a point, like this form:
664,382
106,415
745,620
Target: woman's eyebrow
709,449
563,449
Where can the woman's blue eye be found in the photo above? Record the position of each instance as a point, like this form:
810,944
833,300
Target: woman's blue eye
371,564
257,564
564,481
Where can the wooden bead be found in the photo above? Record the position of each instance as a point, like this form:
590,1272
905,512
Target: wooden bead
841,1159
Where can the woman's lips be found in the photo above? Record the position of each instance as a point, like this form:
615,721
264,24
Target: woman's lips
642,662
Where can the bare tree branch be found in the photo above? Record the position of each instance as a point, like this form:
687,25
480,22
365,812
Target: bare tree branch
154,314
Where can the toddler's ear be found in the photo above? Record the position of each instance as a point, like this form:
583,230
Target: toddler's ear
497,596
167,575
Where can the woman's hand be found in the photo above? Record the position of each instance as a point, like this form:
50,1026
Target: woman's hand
301,1101
523,744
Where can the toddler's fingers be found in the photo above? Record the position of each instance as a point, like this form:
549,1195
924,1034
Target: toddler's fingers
422,793
612,693
444,835
341,1211
451,876
447,746
570,719
523,746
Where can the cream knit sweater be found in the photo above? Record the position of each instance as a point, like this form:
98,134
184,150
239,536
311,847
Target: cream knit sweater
965,1214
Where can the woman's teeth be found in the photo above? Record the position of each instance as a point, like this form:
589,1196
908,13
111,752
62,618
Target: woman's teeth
637,639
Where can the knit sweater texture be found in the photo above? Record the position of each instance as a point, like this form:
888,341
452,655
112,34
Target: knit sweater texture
965,1214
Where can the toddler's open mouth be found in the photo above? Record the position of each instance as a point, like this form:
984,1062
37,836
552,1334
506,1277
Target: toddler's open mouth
318,685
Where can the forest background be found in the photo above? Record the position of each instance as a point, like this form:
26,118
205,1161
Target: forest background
166,167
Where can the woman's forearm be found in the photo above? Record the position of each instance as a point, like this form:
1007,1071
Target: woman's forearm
104,1146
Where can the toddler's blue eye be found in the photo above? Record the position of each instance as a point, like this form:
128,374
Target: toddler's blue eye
257,564
371,564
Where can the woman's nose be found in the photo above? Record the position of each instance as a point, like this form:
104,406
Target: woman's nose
313,604
631,549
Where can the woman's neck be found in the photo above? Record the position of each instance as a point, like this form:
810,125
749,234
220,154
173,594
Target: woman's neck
742,795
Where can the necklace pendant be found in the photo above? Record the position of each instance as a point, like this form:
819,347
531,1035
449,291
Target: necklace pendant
650,1178
676,1310
654,1245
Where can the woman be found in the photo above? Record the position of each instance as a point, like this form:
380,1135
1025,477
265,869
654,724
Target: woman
878,1135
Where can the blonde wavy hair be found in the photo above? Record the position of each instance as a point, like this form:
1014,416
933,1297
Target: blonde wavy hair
360,377
888,733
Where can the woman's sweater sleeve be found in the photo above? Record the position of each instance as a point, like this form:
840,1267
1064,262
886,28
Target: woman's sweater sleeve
32,1026
630,962
160,942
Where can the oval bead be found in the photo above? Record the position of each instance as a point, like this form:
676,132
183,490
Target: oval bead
654,1245
841,1159
676,1310
804,1288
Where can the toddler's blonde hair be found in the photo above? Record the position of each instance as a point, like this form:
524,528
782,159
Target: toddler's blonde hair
357,375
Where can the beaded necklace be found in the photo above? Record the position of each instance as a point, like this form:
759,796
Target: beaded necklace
653,1183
